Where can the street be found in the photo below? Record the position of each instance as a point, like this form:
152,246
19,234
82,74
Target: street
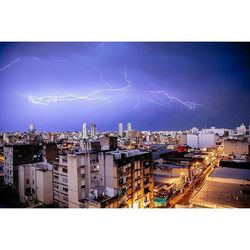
184,198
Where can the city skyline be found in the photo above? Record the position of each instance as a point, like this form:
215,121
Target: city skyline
155,86
86,127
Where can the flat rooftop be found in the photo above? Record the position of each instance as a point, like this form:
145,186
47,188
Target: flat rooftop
216,194
232,173
166,165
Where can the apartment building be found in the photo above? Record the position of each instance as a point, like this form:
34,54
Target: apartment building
19,154
201,140
74,175
35,183
128,177
93,179
15,155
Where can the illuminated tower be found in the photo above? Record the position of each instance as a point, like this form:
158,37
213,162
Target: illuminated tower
84,130
32,127
120,132
129,128
93,130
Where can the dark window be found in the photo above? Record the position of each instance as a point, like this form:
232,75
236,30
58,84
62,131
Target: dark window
55,167
33,190
82,186
65,189
33,182
27,181
65,170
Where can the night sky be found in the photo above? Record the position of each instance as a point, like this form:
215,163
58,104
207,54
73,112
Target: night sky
155,86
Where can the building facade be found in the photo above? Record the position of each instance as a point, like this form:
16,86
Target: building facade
35,183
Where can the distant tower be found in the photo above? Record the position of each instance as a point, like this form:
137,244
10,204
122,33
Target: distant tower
32,127
129,128
241,130
93,130
84,130
120,132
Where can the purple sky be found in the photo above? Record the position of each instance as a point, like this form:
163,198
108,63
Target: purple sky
155,86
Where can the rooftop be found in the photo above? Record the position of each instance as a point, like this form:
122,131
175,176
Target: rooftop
233,173
168,165
217,194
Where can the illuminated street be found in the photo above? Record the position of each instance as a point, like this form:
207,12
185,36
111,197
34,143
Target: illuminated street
185,198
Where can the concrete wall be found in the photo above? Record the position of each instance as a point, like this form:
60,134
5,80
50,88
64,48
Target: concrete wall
8,165
44,187
235,147
207,140
201,140
39,183
183,139
73,181
192,140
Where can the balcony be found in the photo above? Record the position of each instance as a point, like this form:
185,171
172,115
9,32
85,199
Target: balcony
94,169
82,172
146,190
137,188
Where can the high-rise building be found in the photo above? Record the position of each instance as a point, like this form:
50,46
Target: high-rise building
129,127
93,130
120,130
84,130
32,127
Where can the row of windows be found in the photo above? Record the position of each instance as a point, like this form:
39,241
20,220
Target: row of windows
64,170
28,181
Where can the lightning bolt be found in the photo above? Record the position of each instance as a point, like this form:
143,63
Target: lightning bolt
104,95
153,101
46,100
138,103
102,80
10,64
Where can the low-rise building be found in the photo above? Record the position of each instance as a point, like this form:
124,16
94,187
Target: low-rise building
225,187
35,183
236,147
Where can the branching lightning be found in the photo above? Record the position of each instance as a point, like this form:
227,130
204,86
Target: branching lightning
102,80
105,95
10,64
